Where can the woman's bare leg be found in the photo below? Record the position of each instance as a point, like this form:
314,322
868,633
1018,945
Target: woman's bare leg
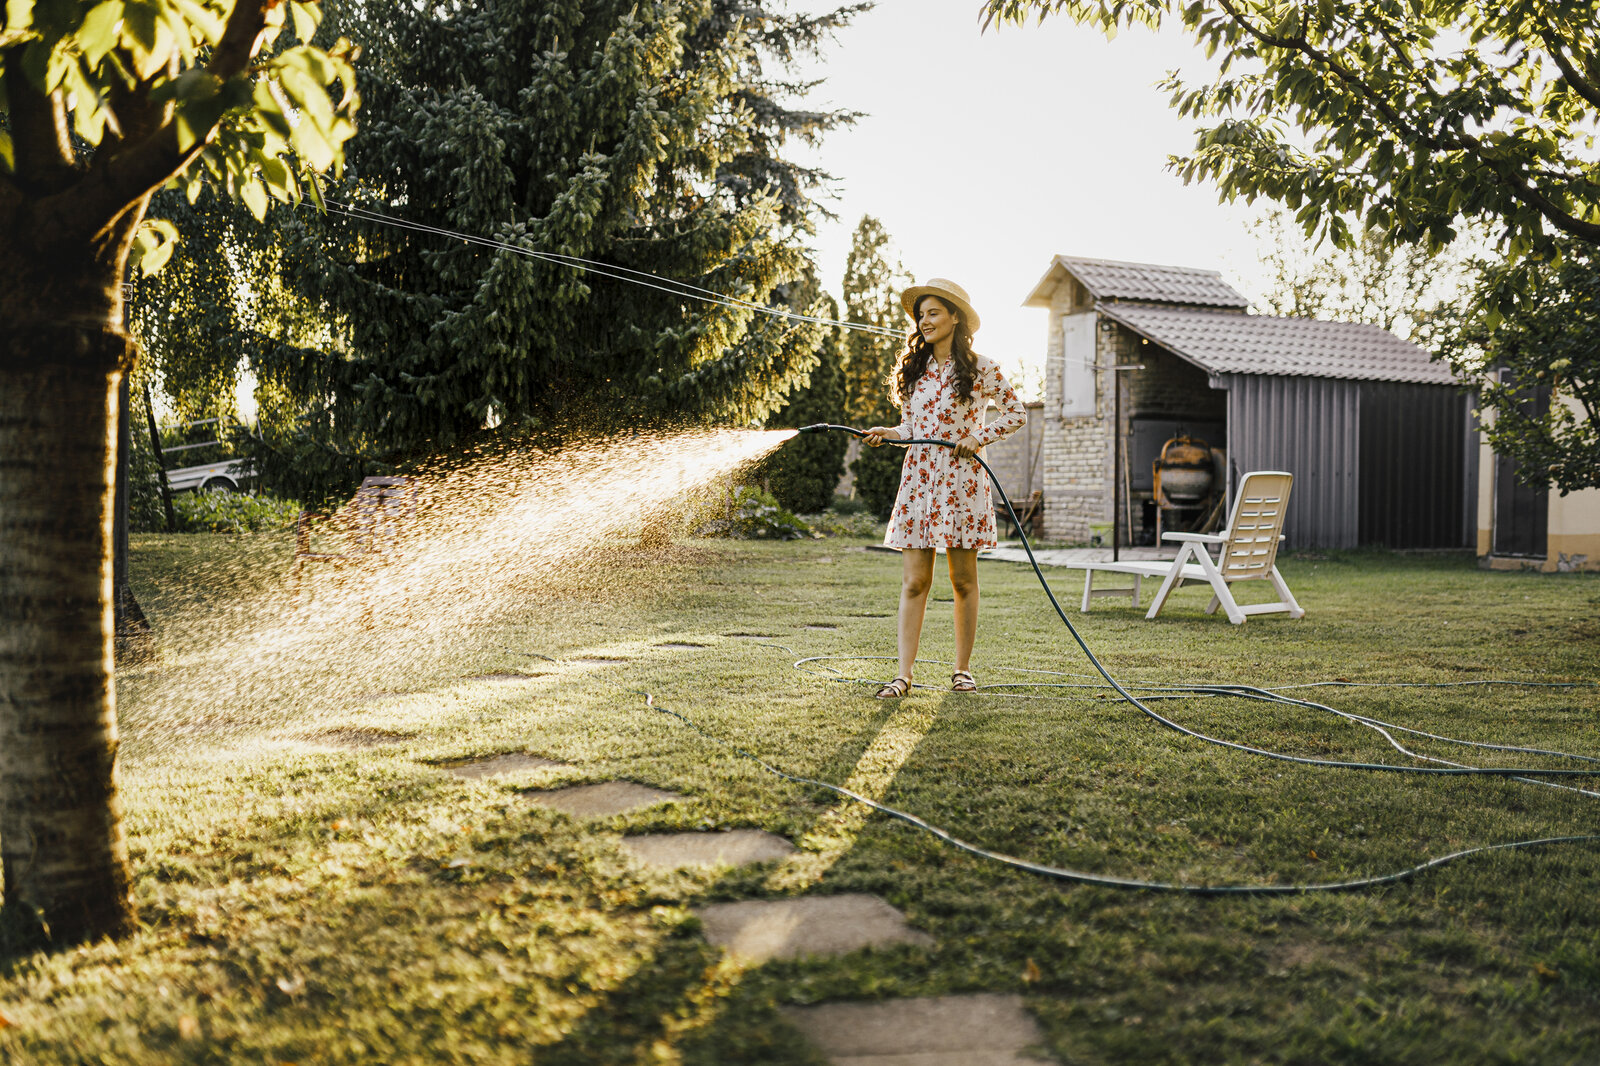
964,583
916,575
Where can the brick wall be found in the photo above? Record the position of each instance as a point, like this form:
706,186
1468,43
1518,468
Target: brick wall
1078,455
1075,462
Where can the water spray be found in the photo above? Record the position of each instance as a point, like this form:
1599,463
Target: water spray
1446,768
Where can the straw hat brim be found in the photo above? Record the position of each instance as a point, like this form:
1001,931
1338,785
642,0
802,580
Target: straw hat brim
948,291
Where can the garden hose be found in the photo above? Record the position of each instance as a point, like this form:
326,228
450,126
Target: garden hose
1230,690
1520,774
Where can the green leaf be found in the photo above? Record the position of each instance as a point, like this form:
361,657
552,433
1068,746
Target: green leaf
210,26
7,155
98,34
254,196
153,244
307,17
19,14
311,145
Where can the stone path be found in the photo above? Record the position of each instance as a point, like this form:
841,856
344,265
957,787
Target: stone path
733,847
969,1030
602,800
1077,556
499,765
758,930
980,1030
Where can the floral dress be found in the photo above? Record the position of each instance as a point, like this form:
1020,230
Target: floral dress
945,501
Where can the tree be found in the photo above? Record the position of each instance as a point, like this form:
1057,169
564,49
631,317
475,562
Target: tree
1531,344
1408,116
872,290
805,471
604,144
1406,289
103,104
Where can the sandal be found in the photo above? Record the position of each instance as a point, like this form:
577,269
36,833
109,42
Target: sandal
961,681
895,689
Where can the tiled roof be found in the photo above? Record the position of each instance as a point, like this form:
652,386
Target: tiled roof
1108,279
1223,342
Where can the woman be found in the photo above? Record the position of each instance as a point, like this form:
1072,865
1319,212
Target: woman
941,386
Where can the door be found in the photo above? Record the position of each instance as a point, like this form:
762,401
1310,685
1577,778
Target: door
1521,512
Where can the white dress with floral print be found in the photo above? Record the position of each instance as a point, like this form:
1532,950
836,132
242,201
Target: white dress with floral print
945,501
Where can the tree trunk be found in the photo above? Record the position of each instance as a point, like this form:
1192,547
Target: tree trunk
61,842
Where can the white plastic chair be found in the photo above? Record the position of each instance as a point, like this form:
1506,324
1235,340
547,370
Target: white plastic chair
1248,552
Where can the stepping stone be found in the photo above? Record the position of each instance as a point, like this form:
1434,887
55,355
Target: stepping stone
679,647
735,847
754,636
515,762
821,625
758,930
597,660
602,800
979,1030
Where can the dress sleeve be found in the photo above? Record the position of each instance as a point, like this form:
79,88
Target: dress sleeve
903,430
992,385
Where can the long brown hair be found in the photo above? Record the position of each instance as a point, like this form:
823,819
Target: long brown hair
913,358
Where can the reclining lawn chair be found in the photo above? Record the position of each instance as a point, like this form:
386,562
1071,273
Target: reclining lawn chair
1249,550
375,520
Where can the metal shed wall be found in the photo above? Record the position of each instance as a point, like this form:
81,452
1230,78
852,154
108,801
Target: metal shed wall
1309,427
1415,469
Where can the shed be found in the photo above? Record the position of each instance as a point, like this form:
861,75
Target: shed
1379,436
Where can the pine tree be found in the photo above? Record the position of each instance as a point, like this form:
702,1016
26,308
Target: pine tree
602,129
872,297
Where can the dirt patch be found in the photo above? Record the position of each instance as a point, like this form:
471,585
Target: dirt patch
597,660
1305,954
754,636
680,646
360,738
821,625
502,677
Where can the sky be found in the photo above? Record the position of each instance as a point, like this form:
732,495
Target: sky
985,154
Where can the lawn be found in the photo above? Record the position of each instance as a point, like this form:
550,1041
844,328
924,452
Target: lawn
315,888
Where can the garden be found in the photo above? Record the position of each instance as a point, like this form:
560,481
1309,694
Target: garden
317,882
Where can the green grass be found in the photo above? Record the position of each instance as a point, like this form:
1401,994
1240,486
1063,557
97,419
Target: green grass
306,903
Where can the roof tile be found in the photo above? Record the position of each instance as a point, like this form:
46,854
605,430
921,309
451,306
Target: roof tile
1108,279
1224,342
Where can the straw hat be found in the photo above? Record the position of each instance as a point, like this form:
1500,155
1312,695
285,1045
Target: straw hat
946,290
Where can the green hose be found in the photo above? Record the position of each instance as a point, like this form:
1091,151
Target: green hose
1252,692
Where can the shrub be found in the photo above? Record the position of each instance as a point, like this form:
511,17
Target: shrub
747,513
877,472
232,512
856,523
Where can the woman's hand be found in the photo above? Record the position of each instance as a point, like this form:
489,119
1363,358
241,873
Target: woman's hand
878,434
967,447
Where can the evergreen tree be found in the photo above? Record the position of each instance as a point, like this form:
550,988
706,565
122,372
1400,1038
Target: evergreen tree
603,129
872,297
806,470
